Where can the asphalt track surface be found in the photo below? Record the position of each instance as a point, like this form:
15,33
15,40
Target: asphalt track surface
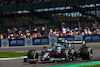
19,62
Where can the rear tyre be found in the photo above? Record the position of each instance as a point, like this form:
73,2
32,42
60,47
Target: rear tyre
86,53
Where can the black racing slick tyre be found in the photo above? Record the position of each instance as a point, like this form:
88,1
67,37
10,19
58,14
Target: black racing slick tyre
86,53
32,54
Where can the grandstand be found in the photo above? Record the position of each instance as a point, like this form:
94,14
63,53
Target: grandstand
45,9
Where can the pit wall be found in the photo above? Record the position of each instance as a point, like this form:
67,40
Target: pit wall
46,40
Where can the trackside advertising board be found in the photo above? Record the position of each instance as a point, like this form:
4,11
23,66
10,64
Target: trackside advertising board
4,43
28,41
16,42
69,38
52,40
92,38
47,40
40,41
78,38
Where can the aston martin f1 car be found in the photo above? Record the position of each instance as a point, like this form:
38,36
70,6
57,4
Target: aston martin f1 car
61,51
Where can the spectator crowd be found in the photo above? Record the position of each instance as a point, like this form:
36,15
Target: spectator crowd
8,2
36,32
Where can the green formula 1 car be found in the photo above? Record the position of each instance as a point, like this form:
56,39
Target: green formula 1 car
61,51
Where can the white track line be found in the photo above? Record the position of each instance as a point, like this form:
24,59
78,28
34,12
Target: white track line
13,58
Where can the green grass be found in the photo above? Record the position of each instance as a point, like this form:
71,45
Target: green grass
12,54
93,42
91,66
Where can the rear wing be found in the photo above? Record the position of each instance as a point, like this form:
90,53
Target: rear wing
76,42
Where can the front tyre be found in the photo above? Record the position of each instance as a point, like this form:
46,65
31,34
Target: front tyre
32,54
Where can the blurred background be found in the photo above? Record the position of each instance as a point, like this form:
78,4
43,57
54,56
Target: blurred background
45,18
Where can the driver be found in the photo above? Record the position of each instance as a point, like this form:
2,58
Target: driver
59,48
